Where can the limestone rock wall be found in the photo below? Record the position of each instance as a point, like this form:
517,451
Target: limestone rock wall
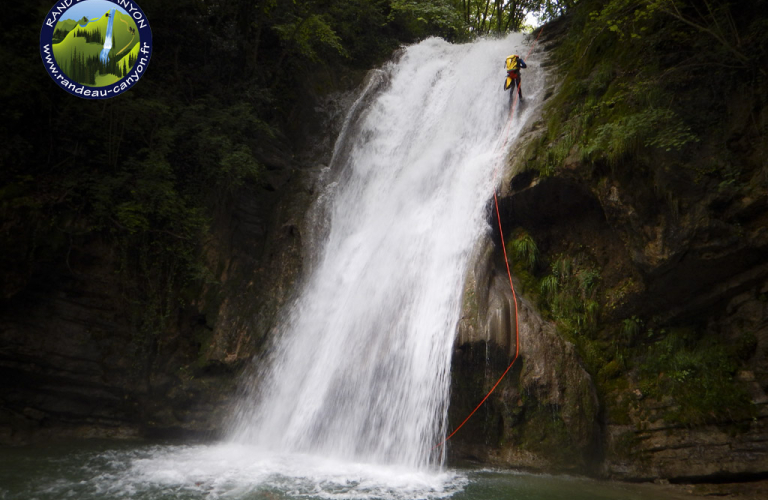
543,415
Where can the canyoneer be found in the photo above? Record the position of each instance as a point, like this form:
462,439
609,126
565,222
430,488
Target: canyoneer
514,64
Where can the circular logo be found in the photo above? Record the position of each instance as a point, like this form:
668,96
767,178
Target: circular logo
96,49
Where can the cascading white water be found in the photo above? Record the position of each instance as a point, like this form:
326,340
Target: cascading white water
104,55
361,367
354,399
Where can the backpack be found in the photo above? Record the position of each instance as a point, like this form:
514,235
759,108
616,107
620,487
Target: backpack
513,63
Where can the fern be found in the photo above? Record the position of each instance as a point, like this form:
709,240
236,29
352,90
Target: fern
525,250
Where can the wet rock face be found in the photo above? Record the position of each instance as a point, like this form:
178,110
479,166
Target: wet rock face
63,360
543,415
644,446
690,255
702,263
702,454
693,260
684,254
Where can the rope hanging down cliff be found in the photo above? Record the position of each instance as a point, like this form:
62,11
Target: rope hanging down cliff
505,134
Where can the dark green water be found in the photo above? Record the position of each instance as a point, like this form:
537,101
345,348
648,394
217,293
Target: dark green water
113,470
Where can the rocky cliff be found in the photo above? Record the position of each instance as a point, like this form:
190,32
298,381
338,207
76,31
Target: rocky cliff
647,267
544,413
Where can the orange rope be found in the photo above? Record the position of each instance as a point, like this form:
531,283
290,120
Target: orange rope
506,261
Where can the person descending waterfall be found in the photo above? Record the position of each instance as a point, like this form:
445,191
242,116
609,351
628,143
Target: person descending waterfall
514,64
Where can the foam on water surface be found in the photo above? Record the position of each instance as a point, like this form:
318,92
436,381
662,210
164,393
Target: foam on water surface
228,471
113,470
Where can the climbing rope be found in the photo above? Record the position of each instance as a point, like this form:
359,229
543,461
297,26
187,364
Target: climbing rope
506,261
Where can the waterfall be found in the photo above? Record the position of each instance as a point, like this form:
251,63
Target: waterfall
104,55
360,369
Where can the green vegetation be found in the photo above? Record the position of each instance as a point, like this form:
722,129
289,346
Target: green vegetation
625,63
458,20
690,371
644,88
91,36
525,249
570,293
697,373
78,51
693,372
62,29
